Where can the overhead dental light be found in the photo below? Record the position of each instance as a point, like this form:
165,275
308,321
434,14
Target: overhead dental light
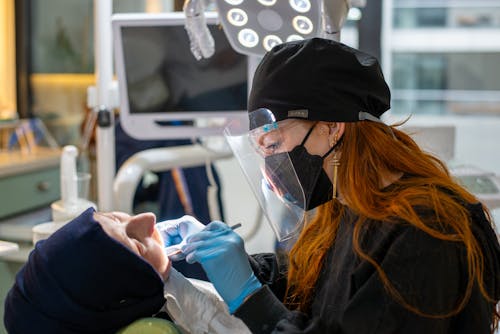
255,27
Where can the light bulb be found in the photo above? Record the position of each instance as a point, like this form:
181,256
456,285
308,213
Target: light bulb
267,2
354,14
302,24
270,41
301,6
294,37
237,17
234,2
248,38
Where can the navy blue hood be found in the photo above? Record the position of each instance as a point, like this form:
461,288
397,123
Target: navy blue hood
80,280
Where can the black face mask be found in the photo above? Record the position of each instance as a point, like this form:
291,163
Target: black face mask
315,183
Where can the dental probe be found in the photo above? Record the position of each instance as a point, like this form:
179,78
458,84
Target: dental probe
177,251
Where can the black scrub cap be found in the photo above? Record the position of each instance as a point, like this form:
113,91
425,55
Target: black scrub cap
321,80
80,280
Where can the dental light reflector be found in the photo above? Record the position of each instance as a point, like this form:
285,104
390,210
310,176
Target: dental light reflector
270,41
248,38
234,2
237,17
302,24
267,2
354,14
294,37
301,6
254,27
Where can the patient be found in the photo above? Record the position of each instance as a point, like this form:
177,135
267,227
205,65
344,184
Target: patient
99,273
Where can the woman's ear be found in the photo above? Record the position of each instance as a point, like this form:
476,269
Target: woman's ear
336,131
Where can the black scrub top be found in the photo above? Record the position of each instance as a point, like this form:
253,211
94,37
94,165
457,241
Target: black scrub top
350,297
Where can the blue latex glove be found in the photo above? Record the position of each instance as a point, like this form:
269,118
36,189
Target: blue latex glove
221,253
174,233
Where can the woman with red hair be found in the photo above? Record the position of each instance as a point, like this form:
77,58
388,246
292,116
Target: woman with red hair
394,244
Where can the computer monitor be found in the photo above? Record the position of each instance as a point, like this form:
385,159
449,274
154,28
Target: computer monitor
164,91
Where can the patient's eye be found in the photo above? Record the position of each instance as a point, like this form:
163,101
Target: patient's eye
114,218
140,246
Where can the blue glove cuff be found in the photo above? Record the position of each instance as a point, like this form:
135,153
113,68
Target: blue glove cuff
251,285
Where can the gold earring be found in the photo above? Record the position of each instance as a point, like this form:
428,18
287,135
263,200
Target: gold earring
334,140
335,162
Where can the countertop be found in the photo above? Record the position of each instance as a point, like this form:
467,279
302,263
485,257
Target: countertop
12,163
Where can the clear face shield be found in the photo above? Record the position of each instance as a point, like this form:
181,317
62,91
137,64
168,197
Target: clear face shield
263,156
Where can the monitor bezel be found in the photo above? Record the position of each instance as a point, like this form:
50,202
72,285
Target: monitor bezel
147,126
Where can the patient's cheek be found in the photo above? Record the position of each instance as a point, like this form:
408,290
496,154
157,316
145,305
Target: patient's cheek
162,262
157,237
163,259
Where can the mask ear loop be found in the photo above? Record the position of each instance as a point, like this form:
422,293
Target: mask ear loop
307,134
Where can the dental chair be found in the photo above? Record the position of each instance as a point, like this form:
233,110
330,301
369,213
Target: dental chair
150,326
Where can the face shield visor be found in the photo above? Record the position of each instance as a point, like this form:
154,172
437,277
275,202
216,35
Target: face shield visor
263,156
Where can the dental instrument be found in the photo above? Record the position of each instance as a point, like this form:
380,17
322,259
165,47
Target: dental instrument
176,249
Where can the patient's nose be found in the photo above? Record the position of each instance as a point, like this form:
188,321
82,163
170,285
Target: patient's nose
141,225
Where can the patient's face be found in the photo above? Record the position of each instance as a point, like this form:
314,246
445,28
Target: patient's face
137,233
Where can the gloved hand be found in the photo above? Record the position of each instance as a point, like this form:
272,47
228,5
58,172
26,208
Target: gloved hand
221,253
174,233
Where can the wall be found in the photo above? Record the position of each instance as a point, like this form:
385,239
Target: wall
476,138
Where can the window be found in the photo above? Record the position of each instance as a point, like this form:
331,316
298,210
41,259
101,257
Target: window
419,17
459,14
446,83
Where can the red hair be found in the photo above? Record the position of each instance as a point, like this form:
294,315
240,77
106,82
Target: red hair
372,150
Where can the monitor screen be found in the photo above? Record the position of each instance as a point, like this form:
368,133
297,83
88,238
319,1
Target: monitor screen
164,91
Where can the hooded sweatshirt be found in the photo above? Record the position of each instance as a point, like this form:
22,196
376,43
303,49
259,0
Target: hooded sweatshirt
80,280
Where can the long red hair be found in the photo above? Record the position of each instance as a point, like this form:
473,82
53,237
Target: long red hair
368,151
